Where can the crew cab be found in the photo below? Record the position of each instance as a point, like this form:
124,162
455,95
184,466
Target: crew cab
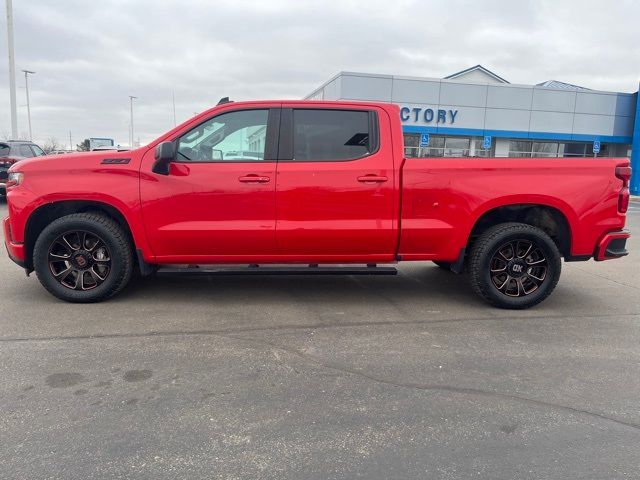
309,183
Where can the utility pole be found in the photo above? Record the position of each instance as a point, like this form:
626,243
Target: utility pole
12,73
173,97
70,142
131,99
26,84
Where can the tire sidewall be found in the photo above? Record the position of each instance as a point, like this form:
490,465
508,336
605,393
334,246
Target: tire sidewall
554,265
41,260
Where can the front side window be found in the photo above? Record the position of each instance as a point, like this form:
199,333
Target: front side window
325,135
238,136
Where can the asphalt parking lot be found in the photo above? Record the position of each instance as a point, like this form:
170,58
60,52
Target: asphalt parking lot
323,377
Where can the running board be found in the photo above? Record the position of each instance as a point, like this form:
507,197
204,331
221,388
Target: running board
269,270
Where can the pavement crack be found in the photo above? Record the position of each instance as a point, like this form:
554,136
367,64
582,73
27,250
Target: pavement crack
430,387
310,326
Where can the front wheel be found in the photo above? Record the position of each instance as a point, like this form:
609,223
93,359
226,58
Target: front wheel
514,265
83,257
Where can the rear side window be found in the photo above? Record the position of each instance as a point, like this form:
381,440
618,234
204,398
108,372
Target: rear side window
4,150
325,135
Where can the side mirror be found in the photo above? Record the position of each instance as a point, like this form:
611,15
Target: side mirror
165,154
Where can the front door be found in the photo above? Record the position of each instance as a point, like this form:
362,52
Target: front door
336,185
218,201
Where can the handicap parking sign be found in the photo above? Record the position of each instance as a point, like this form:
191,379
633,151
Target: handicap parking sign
424,140
596,146
486,144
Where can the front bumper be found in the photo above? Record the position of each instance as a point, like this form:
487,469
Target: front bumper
612,245
15,250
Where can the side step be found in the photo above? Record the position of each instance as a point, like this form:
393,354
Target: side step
275,270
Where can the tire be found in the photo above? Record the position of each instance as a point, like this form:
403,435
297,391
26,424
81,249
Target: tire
443,265
83,258
534,272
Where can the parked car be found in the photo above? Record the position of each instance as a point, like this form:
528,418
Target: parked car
327,183
104,148
10,152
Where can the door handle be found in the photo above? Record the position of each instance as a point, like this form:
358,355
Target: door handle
372,179
253,178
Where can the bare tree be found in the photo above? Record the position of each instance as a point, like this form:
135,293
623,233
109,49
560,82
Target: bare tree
4,135
51,144
84,146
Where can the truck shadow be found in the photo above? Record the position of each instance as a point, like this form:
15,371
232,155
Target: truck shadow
420,286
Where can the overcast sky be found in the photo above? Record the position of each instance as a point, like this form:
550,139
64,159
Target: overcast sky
89,56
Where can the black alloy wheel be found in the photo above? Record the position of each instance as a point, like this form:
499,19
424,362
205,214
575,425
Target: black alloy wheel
83,257
518,268
79,260
514,265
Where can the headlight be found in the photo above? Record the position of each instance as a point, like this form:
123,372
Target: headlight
15,178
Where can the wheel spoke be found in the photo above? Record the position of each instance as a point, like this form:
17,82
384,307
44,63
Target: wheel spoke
518,268
79,281
79,260
495,262
527,252
63,274
537,262
500,287
543,274
96,276
71,247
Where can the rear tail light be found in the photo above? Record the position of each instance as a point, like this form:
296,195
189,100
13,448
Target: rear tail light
624,174
6,161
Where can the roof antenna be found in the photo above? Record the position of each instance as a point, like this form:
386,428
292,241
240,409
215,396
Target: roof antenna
224,100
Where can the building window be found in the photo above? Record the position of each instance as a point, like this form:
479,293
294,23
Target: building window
439,146
544,149
456,147
479,150
435,148
520,148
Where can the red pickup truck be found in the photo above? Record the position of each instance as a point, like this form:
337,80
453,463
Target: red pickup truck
316,183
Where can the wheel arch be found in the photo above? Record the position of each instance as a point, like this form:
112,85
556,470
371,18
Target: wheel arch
45,214
549,218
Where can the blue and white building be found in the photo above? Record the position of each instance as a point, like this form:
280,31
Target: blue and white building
478,113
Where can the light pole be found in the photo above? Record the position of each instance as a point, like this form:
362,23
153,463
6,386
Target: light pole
131,99
26,84
12,73
173,98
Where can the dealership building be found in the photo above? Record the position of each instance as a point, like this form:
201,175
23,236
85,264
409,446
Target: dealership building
477,113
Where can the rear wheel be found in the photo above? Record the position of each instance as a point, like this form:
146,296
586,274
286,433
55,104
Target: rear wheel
514,265
83,257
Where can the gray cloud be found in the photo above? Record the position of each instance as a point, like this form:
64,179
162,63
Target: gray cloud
89,56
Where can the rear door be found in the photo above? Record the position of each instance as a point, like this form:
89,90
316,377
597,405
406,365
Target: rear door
335,189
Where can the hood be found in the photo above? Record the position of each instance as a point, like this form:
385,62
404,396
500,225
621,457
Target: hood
71,161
